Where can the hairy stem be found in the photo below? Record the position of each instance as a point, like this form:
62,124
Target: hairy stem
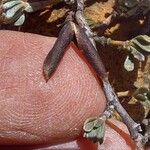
109,42
112,99
82,22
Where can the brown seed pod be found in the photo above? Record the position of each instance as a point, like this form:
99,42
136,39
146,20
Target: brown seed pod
55,55
90,52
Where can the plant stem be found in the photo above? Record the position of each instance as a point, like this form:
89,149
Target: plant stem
82,22
111,97
109,42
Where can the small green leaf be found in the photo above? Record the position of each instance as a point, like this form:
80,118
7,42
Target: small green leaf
88,126
140,97
139,56
90,135
10,4
20,21
148,95
128,64
142,94
141,90
10,13
94,129
141,43
13,11
101,133
97,123
139,47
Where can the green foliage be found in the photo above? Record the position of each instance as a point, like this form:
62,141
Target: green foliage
128,64
142,94
139,48
141,43
94,129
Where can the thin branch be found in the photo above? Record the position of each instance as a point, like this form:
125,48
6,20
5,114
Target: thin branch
82,22
110,42
112,99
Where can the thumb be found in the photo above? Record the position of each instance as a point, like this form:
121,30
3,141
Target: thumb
36,112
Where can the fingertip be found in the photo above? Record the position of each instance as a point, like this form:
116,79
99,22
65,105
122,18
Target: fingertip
117,137
34,111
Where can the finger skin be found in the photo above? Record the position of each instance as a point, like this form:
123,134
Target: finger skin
116,138
33,111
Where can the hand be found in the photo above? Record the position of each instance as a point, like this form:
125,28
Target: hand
36,112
